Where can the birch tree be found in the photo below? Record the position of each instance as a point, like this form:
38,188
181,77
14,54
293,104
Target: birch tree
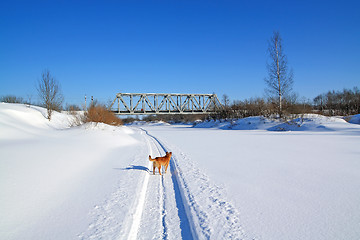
279,81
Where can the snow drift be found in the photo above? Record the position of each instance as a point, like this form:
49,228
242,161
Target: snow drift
51,175
354,119
307,122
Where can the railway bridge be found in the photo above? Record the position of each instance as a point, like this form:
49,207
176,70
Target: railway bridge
165,103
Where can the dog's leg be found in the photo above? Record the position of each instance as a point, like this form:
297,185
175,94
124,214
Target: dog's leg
160,169
153,169
166,166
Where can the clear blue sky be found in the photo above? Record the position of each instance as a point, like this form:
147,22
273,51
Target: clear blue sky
100,48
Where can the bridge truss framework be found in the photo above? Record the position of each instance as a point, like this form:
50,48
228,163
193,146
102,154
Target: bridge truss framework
163,103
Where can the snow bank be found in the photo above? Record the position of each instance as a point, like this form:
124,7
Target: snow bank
18,120
312,122
355,119
308,122
51,175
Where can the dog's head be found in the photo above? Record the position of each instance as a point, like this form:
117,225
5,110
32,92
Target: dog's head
168,154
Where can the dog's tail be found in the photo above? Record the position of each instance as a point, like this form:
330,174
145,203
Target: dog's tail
150,159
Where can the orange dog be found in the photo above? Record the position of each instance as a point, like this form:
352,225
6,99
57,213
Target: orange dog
161,161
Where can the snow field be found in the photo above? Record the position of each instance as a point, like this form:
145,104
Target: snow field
284,185
261,181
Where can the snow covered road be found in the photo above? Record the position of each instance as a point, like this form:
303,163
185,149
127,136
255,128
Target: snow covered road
191,208
157,210
163,212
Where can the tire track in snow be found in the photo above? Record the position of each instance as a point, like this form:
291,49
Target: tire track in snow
165,219
175,206
134,229
152,216
208,214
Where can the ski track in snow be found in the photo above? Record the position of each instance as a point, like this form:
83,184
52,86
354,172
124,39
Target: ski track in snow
203,212
167,206
155,214
174,221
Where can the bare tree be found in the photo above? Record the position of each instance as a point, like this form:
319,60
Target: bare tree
50,93
226,101
279,82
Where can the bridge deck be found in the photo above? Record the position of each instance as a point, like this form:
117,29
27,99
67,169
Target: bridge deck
160,112
164,103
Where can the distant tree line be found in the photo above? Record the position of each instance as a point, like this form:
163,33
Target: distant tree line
12,99
345,102
15,99
264,107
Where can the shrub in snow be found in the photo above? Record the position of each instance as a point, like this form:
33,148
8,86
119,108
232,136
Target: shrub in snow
101,114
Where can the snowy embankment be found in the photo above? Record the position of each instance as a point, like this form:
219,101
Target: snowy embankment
51,176
95,181
307,122
354,119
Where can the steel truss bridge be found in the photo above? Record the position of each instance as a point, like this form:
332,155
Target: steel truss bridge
165,103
